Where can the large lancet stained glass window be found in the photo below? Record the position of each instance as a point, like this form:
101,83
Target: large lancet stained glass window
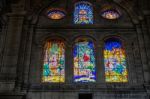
84,61
115,61
54,62
83,13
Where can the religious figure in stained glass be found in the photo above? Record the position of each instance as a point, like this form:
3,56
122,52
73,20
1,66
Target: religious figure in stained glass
54,62
115,61
83,13
84,61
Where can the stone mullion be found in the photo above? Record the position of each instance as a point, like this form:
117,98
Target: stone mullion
100,64
69,64
143,53
97,64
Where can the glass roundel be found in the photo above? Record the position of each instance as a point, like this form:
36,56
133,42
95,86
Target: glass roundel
84,61
55,14
110,14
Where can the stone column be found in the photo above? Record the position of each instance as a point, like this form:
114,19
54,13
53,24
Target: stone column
27,57
138,62
148,23
2,44
131,63
143,53
24,68
147,86
12,46
148,37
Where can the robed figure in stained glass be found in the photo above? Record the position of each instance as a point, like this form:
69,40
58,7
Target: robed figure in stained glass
83,13
115,61
84,61
54,61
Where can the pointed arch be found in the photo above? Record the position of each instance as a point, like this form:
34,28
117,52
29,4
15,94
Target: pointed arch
54,61
83,13
115,61
84,60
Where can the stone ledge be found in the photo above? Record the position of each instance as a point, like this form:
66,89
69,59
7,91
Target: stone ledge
12,96
86,87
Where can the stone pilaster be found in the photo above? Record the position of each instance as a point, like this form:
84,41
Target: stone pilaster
12,46
2,44
131,64
143,53
148,37
25,69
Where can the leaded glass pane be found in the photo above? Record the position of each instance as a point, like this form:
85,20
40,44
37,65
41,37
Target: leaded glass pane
84,61
115,61
54,61
83,13
110,14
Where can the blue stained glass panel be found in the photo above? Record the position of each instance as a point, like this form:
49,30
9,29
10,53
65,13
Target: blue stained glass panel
83,13
115,61
84,62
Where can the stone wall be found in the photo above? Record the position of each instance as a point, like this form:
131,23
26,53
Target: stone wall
21,47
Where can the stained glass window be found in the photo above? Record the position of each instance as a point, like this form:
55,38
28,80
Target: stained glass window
84,61
115,61
54,61
55,14
110,14
83,13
